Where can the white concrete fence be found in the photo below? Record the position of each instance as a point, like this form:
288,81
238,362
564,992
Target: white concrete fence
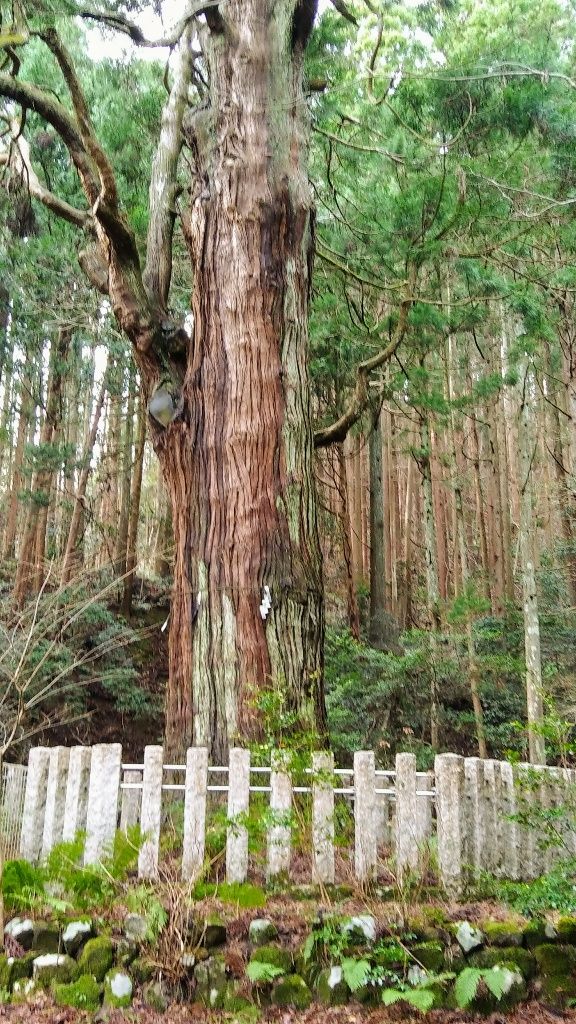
465,805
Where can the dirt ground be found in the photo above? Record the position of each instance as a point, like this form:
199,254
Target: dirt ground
42,1011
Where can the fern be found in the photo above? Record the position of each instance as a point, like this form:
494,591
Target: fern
421,998
261,973
466,986
355,972
496,980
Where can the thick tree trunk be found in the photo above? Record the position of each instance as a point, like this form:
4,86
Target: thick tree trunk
247,609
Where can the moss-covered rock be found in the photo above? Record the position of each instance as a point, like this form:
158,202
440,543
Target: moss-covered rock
97,957
214,931
274,955
211,979
125,952
503,933
360,930
83,994
141,970
135,928
557,968
514,992
514,956
76,934
262,931
566,928
22,930
538,932
24,989
47,937
468,937
429,954
12,969
117,988
155,995
331,988
54,967
292,991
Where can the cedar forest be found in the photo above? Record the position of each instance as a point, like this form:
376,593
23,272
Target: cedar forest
288,374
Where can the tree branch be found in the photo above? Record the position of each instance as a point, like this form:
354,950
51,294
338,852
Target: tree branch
338,430
343,9
128,28
19,157
163,185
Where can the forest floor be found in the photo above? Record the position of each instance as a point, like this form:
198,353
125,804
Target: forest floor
43,1011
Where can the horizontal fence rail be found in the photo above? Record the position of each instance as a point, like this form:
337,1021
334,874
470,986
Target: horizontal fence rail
470,808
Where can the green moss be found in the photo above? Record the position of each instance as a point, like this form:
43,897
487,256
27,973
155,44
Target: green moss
331,988
429,954
97,957
141,970
274,955
557,965
83,994
292,991
53,967
536,933
117,988
555,959
503,933
566,928
514,956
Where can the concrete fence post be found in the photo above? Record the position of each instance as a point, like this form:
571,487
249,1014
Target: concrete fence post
195,813
151,812
103,793
473,841
130,799
323,817
449,776
238,806
280,831
76,803
55,798
365,822
510,859
34,803
407,853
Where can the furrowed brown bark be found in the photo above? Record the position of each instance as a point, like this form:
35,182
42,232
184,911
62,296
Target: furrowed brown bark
247,610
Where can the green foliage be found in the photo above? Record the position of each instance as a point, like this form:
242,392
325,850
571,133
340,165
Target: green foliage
241,894
65,883
553,891
143,900
355,972
420,998
261,973
468,981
